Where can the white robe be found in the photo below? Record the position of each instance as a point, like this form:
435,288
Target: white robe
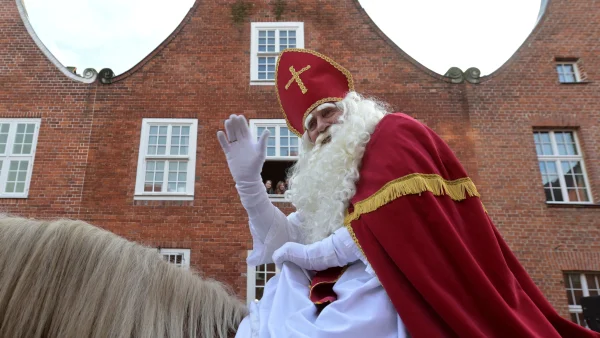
362,309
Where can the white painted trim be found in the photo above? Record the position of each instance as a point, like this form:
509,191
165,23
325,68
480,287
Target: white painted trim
254,27
8,156
277,123
185,252
89,75
141,168
557,158
251,280
575,70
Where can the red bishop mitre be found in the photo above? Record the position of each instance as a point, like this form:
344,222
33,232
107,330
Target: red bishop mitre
306,79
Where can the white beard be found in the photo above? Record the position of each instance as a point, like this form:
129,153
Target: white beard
324,179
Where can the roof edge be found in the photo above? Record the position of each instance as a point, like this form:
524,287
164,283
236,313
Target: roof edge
158,48
402,53
89,75
542,17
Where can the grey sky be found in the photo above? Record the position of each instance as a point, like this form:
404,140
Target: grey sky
440,34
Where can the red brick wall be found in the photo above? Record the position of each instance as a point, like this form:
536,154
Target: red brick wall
86,162
504,109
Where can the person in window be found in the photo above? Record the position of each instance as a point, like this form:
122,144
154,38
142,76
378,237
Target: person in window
269,187
390,238
280,188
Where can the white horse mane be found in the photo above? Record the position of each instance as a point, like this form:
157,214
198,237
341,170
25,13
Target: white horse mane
66,278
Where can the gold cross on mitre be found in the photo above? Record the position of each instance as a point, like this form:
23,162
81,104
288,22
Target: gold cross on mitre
296,77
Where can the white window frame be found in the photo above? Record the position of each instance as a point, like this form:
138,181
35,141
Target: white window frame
558,158
585,290
185,262
140,194
7,157
251,281
254,124
575,70
254,54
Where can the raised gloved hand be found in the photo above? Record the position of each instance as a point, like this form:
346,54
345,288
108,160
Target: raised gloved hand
245,156
327,253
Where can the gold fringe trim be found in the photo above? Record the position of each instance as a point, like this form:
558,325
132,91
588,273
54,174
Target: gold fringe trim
411,185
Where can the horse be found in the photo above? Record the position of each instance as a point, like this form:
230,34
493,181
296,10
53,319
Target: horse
67,278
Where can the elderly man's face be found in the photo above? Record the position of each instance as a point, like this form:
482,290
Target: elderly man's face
320,119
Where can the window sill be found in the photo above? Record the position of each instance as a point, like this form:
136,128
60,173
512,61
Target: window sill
262,83
572,205
275,199
163,197
13,197
574,83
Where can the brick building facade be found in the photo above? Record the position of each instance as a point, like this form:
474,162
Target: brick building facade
89,130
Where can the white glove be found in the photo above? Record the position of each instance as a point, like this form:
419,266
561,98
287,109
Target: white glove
245,157
319,256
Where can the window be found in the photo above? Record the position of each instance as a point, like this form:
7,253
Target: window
179,257
267,40
258,276
283,148
562,167
580,285
167,159
18,141
568,72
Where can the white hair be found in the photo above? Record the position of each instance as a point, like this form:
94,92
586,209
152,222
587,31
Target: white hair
66,278
324,179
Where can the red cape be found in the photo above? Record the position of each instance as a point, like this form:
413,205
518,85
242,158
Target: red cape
418,219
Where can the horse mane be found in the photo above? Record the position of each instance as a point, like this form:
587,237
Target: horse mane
67,278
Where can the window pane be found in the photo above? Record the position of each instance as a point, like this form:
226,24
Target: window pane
569,77
565,143
270,151
157,139
177,176
154,176
3,136
23,138
17,175
557,195
551,168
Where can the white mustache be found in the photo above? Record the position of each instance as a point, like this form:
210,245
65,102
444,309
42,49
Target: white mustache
322,137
